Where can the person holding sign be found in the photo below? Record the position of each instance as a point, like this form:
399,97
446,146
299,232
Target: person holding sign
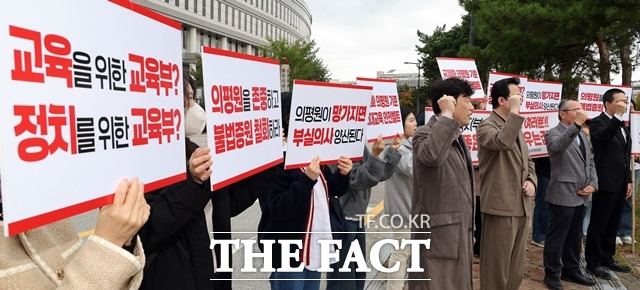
573,180
366,174
301,205
612,148
397,199
53,256
443,189
177,237
508,185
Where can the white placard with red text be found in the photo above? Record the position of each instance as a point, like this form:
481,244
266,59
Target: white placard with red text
634,121
464,68
590,96
242,102
542,96
535,125
85,112
384,109
496,76
327,120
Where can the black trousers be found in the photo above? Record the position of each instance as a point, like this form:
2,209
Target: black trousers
606,211
563,240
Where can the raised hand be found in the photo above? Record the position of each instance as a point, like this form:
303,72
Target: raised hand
447,104
200,165
377,147
515,101
344,165
313,170
121,220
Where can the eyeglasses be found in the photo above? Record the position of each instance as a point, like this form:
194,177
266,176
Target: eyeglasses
574,109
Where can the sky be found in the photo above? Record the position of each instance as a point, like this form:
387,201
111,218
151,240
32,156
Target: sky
356,38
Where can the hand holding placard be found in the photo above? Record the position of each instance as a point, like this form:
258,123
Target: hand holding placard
200,165
313,170
344,165
120,221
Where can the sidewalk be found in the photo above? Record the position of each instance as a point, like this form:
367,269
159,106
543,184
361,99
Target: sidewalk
533,274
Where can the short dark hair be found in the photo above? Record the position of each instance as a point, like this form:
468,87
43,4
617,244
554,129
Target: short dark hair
452,86
501,89
608,95
404,112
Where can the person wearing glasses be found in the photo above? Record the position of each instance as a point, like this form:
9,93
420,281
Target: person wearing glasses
573,179
506,191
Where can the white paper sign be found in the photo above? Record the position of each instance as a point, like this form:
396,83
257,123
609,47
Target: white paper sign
536,124
542,96
384,109
634,120
464,68
327,120
590,96
243,114
496,76
85,112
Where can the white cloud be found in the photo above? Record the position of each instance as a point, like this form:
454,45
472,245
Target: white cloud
359,37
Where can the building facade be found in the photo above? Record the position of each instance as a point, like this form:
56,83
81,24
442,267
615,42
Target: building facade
235,25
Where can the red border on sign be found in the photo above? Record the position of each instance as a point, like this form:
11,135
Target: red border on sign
216,51
333,85
454,58
146,12
384,138
606,85
237,178
508,74
294,166
375,80
545,82
59,214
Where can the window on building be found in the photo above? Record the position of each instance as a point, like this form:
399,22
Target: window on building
233,17
186,5
185,38
201,38
177,3
204,8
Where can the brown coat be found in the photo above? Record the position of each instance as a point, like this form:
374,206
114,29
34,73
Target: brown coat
504,167
443,189
53,257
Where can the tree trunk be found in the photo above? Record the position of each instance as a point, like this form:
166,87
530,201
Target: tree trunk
604,64
625,59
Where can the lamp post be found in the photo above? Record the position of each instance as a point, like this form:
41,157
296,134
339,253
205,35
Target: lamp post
417,87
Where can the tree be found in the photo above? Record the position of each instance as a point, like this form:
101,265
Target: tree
304,64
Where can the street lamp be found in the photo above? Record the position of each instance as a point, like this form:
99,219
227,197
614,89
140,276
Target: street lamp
418,86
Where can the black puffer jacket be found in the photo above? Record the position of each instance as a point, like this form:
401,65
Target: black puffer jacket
175,238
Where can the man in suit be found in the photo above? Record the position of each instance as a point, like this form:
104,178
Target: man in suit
573,179
443,189
508,185
612,147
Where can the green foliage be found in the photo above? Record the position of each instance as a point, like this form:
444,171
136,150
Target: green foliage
544,39
304,64
197,73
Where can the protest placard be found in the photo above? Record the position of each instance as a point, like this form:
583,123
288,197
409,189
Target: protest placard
536,124
590,96
85,112
541,96
384,109
328,120
464,68
496,76
634,120
242,96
